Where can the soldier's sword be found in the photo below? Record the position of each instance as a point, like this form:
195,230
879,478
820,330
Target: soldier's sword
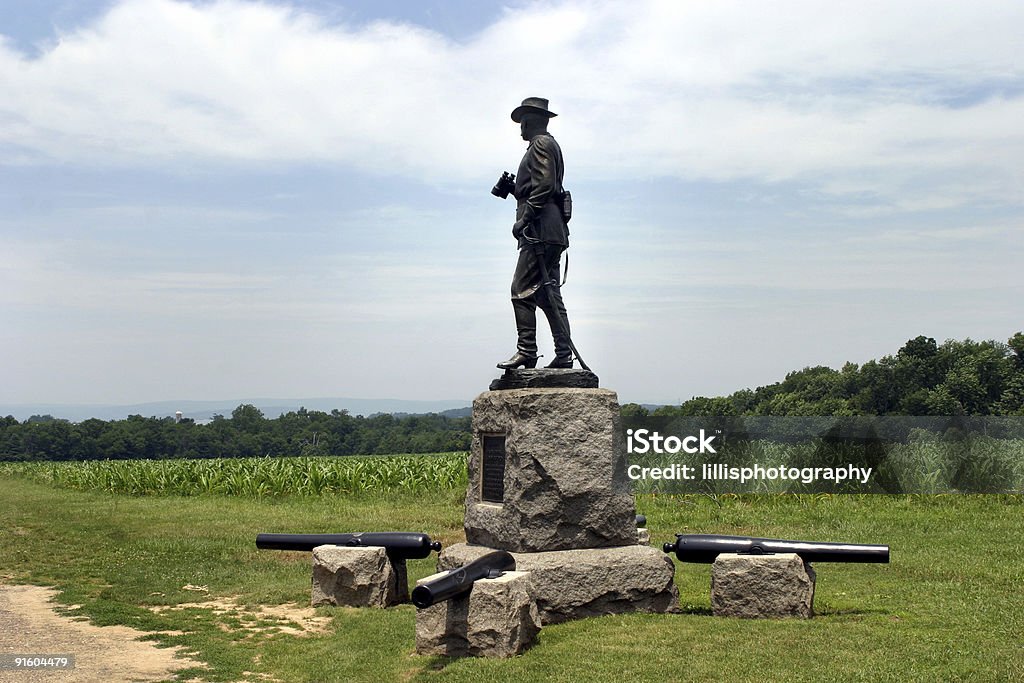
538,253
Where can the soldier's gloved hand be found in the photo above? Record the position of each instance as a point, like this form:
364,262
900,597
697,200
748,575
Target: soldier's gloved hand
528,214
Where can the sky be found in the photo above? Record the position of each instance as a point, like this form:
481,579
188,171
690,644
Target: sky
227,198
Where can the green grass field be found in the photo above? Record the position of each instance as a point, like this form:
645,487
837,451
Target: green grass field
949,607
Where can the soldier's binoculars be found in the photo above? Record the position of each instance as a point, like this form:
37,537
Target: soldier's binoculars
400,545
506,183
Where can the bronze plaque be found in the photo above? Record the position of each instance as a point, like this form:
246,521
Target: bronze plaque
492,471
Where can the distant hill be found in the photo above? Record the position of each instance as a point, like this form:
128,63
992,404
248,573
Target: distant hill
204,410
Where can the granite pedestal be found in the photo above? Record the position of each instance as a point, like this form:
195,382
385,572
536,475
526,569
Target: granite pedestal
547,471
762,586
497,618
576,584
357,577
548,483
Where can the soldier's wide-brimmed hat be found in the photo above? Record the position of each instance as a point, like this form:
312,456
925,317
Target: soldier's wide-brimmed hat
532,105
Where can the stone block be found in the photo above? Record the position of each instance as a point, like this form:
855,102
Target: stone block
575,584
357,577
497,618
643,536
564,472
759,586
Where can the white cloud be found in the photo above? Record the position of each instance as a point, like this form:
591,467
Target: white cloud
723,90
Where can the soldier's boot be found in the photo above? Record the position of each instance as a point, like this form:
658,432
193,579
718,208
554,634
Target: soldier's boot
526,326
559,331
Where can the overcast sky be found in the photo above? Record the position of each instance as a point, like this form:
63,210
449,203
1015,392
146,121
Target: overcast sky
203,200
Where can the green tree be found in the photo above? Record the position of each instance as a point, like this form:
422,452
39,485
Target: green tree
247,418
634,410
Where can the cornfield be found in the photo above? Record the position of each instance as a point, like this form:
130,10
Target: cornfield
254,477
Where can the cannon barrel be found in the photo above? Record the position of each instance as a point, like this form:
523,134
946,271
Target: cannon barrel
704,548
460,580
402,545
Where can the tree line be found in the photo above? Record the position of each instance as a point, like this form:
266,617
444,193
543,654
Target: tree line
246,433
922,378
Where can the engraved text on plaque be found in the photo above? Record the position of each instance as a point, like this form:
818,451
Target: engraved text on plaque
492,474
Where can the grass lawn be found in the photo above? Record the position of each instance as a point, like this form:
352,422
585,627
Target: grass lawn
949,607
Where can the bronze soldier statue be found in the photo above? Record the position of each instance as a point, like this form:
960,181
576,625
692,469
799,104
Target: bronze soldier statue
542,233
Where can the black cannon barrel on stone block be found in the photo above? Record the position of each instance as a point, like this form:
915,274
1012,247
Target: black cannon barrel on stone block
460,580
704,548
404,545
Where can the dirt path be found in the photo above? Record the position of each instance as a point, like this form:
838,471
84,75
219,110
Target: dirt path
29,625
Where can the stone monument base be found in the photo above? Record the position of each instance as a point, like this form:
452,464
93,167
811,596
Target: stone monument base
547,471
575,584
497,618
762,586
357,577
